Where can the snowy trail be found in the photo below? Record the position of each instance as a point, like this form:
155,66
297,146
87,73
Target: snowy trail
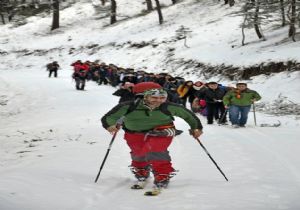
52,148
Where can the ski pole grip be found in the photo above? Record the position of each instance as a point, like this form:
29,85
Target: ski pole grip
120,122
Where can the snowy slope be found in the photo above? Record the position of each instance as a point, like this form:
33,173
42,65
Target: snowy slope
52,142
52,148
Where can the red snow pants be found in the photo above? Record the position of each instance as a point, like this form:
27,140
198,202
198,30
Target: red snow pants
150,151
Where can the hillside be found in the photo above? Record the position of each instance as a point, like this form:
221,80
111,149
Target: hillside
140,42
215,36
51,138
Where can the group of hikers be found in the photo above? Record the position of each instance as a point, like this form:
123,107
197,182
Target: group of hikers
147,106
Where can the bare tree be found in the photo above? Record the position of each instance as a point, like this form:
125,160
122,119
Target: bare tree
282,12
113,12
158,8
149,5
55,20
5,9
257,21
292,17
251,12
244,25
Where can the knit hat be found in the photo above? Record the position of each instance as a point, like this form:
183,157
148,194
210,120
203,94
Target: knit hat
140,88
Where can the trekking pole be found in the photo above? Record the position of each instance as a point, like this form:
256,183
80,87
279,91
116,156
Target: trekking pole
211,158
118,125
254,115
222,117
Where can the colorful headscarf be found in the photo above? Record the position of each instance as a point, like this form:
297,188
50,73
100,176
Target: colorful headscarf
156,92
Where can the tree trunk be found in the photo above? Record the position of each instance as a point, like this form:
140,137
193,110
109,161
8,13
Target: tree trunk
10,15
256,20
292,30
113,12
55,22
282,12
246,9
103,2
2,18
160,16
149,5
174,1
299,19
243,28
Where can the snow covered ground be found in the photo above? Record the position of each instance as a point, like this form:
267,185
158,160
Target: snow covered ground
51,138
52,145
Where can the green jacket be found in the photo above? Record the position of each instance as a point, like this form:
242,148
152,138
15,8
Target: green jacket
245,99
144,119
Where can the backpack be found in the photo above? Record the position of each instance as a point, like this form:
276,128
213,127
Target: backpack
163,108
49,66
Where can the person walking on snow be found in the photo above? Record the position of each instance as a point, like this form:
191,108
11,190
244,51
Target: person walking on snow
80,74
52,68
239,101
184,91
149,130
213,96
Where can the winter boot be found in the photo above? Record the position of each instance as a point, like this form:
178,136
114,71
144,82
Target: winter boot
141,173
161,180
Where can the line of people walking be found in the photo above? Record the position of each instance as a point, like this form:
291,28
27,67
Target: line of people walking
210,99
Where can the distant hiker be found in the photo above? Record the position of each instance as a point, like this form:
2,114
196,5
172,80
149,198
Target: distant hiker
195,90
198,103
112,75
103,74
171,87
149,130
239,102
77,65
80,74
125,92
184,91
213,95
52,68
